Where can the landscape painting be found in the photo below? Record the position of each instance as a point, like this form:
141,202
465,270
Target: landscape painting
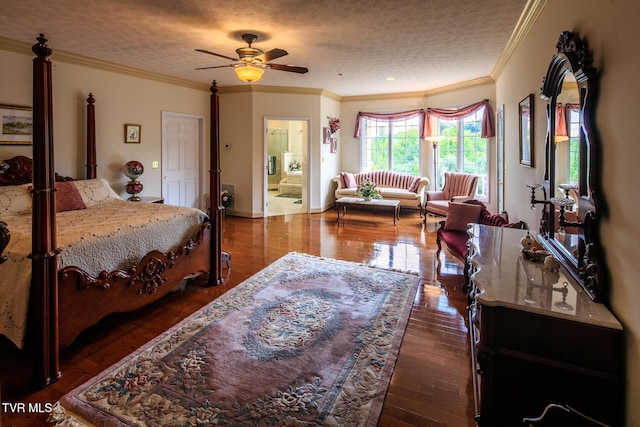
17,125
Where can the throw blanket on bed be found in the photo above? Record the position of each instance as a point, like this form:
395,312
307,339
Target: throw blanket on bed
109,235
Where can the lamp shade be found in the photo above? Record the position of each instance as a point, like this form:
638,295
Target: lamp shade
249,73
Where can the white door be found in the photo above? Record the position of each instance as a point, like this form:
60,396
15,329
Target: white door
180,159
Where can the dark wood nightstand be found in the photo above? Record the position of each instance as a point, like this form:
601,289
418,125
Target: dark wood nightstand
151,199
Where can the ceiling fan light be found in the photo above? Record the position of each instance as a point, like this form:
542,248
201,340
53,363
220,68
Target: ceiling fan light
249,73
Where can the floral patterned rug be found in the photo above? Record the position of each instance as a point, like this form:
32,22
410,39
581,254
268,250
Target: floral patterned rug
307,341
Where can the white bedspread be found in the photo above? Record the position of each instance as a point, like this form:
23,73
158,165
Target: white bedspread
114,234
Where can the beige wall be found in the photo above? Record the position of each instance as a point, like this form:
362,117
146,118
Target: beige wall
243,112
611,30
608,25
119,98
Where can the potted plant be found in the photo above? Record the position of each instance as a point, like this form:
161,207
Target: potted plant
368,190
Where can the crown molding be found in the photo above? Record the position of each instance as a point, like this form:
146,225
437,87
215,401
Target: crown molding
421,94
253,88
529,16
66,57
85,61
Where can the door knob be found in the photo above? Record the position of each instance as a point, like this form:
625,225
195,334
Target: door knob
166,177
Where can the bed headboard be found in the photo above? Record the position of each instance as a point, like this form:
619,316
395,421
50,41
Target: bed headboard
21,172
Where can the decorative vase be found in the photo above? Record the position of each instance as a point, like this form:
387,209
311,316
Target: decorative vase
367,199
134,187
132,170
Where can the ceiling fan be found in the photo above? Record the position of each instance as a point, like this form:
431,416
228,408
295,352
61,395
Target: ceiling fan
251,62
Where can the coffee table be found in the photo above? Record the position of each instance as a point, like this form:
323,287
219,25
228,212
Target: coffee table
370,205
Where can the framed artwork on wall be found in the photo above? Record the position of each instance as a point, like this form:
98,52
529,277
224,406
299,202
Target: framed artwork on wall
333,147
132,133
326,135
525,113
17,125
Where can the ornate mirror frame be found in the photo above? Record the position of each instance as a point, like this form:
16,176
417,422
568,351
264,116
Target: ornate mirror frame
584,260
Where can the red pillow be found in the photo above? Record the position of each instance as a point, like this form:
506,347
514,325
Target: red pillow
348,180
68,197
461,214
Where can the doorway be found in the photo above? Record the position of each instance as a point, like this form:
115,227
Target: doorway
286,145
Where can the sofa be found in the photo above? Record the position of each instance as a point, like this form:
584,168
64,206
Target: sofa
458,187
452,232
408,189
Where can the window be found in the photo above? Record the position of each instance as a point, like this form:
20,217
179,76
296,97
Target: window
574,145
391,144
462,149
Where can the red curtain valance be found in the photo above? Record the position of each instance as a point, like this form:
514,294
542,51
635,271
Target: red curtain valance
562,125
391,116
561,122
488,127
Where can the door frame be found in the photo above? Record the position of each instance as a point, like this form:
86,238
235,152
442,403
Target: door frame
265,158
500,163
202,164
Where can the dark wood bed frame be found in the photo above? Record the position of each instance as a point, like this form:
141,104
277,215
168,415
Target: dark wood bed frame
65,302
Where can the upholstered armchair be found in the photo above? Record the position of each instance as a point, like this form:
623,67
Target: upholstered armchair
458,187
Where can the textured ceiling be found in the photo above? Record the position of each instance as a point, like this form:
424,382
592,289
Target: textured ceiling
351,47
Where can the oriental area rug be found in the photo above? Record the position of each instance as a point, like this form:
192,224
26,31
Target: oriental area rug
307,341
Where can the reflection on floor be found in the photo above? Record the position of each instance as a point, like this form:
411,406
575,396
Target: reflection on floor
283,204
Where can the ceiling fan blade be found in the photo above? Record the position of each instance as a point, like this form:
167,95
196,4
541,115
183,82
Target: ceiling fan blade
217,54
217,66
291,68
271,55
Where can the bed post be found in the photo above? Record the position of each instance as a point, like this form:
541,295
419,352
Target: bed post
91,138
215,210
44,253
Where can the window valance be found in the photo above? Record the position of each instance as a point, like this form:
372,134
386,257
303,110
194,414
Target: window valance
404,115
488,127
562,125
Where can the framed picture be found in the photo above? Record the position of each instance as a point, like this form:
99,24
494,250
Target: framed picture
333,147
326,136
17,125
132,133
525,113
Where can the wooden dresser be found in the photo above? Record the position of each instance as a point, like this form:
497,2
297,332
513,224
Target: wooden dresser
537,338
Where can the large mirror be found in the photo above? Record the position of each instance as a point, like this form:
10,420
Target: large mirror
569,224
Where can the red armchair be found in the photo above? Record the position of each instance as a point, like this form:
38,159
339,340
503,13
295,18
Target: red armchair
458,187
453,231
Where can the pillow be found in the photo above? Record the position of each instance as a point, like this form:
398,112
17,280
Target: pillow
15,200
348,180
68,197
461,214
94,191
414,184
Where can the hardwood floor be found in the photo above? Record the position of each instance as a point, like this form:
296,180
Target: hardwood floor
431,384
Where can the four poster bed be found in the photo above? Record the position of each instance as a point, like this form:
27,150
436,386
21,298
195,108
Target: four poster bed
98,254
